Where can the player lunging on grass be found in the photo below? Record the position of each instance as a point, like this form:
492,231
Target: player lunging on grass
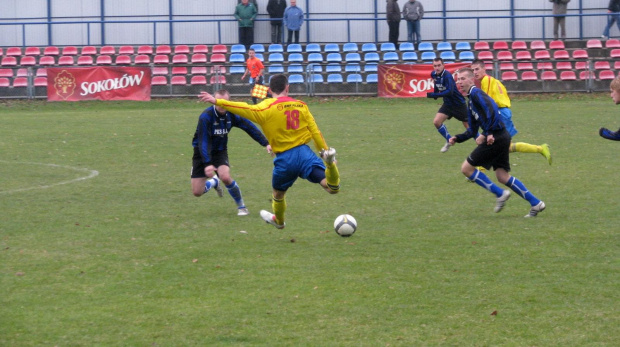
454,104
614,87
289,126
496,90
492,149
211,151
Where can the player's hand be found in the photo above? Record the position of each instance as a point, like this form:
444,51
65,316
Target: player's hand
452,141
206,97
480,139
490,139
428,95
269,150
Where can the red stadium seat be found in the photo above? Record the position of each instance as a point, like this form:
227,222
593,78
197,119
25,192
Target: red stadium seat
104,60
52,50
615,53
163,49
181,49
218,79
568,76
179,80
594,43
69,50
500,45
23,72
215,69
198,70
504,55
218,58
47,60
4,82
28,61
509,76
1,51
20,82
199,79
606,75
580,54
518,45
529,76
107,50
126,50
148,50
557,44
506,66
89,50
161,59
525,66
549,76
66,60
584,75
524,55
32,51
6,73
142,59
485,55
199,58
218,49
85,60
123,60
9,61
542,54
617,65
203,49
538,44
481,46
40,81
159,81
612,43
602,65
179,59
13,52
561,54
179,70
564,65
42,72
547,65
160,70
581,65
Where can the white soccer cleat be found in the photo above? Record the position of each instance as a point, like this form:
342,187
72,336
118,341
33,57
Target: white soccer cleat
242,211
501,201
270,218
329,156
535,209
218,187
445,147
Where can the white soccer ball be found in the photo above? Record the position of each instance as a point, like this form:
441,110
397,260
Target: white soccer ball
345,225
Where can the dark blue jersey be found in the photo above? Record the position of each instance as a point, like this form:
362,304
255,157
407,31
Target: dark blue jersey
212,131
446,88
482,113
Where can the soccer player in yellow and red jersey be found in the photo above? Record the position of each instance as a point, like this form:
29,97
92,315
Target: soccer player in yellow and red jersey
496,90
289,126
255,68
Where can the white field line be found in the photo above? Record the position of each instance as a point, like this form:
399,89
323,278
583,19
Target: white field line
91,174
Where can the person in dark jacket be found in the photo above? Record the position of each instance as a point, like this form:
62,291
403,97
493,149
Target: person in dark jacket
393,18
614,16
276,8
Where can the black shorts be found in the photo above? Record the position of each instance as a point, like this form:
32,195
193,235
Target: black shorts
458,112
218,158
495,155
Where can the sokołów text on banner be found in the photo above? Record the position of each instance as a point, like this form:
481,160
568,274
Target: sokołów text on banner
409,80
99,83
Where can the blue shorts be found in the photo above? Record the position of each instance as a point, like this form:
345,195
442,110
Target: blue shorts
506,114
296,162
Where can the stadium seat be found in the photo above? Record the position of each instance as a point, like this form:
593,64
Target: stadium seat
315,58
612,43
19,82
334,78
178,80
28,60
369,47
524,55
237,69
198,70
32,51
179,70
585,75
198,58
371,67
466,56
159,81
425,47
200,49
542,54
52,50
40,81
181,49
47,60
333,58
352,67
350,47
142,59
160,70
548,76
316,78
598,65
481,46
581,65
525,66
66,60
69,50
317,68
198,80
564,65
126,50
275,58
463,46
23,72
617,65
13,52
163,49
104,60
594,43
295,68
580,54
218,58
6,73
371,56
295,79
353,57
179,59
223,49
4,82
509,76
444,46
161,59
557,44
485,55
294,48
518,45
504,55
410,57
447,56
295,58
372,78
606,75
391,57
615,53
547,65
387,47
529,76
500,45
506,67
85,60
217,79
237,49
89,50
406,47
427,57
275,68
236,58
568,76
313,48
333,67
354,78
145,50
275,48
107,50
537,45
331,48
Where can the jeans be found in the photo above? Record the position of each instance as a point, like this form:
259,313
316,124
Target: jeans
611,18
413,31
290,36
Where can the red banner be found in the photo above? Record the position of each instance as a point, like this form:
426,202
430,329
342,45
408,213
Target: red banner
99,83
409,80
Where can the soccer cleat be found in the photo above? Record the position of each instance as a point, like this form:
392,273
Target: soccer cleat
445,147
535,209
270,218
329,156
218,187
242,211
545,152
501,201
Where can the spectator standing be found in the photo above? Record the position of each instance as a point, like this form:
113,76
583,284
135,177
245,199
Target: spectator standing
246,12
413,12
559,22
293,19
276,8
393,18
614,16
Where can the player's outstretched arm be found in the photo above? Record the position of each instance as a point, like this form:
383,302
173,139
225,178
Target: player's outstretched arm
610,135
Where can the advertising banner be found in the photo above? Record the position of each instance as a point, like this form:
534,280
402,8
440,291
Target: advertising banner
99,83
409,80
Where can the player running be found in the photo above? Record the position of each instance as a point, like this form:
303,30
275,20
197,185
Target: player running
614,87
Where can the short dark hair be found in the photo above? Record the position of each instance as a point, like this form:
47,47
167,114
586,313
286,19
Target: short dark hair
278,83
438,59
478,62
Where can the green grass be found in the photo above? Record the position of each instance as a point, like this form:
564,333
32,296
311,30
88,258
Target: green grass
131,258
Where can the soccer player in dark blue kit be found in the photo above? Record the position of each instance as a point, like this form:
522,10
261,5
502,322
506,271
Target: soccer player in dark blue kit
493,146
454,104
211,151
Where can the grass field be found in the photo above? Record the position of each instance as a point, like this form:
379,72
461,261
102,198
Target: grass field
103,244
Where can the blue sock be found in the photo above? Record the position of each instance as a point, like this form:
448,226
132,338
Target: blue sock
210,184
483,180
444,132
518,187
235,192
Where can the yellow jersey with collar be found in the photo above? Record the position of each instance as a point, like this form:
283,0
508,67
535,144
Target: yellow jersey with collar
496,90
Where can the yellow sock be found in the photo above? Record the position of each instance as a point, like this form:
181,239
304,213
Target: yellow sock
278,206
523,147
333,177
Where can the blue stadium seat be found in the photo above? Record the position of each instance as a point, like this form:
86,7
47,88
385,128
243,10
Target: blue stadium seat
318,68
275,68
295,68
369,47
259,56
388,47
354,78
352,57
467,56
448,56
334,78
275,58
275,48
406,47
410,56
237,49
258,48
316,78
237,69
313,48
294,48
236,58
295,58
315,58
350,47
391,57
295,78
428,56
463,46
331,48
444,46
372,78
333,67
371,67
334,58
353,67
372,56
425,46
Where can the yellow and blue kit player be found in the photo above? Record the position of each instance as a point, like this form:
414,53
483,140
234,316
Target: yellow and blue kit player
289,126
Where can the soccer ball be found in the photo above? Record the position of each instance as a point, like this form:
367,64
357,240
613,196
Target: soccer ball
345,225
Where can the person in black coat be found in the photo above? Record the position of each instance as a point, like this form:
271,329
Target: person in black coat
276,8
